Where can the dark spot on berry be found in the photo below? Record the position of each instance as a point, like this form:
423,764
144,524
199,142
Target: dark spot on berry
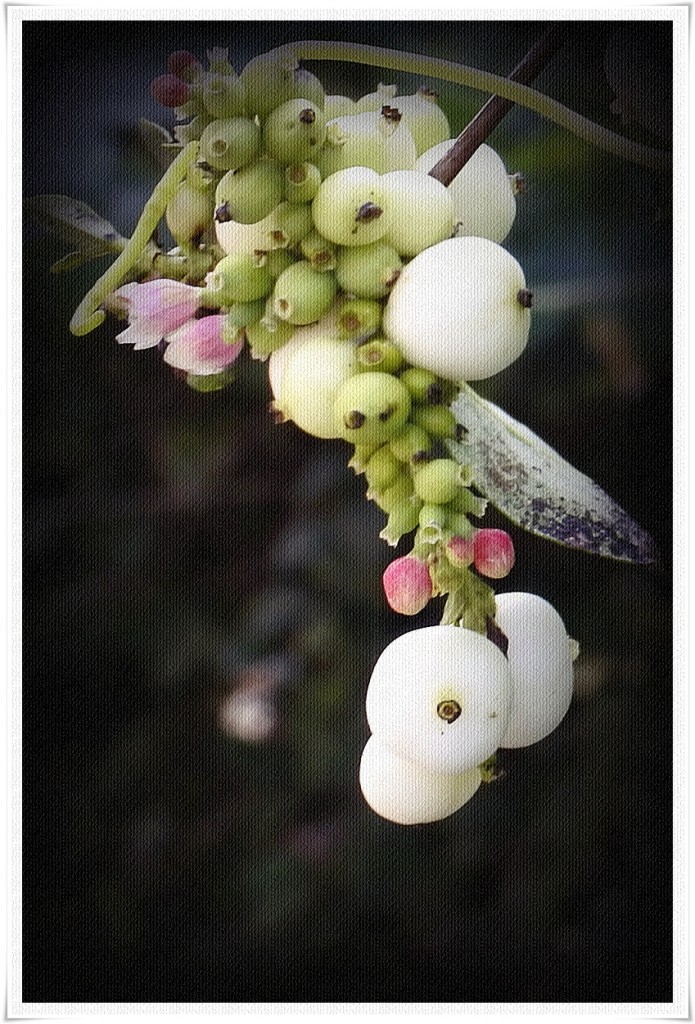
391,114
387,413
525,298
354,420
449,710
435,394
461,431
307,116
368,212
222,214
419,457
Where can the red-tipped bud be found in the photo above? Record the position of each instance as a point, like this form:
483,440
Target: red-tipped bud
493,553
183,64
169,90
407,585
460,552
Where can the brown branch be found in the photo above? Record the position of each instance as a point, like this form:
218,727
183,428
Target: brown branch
490,115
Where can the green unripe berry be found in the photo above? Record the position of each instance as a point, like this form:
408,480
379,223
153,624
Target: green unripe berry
318,251
439,481
294,131
189,213
371,407
210,382
383,469
278,260
269,80
292,222
267,335
419,382
302,182
308,86
358,319
368,271
241,314
379,354
400,491
249,194
240,277
437,420
225,96
230,144
302,294
338,106
465,501
411,441
349,207
370,139
459,525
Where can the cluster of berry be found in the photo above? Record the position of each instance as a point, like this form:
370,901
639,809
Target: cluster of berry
374,291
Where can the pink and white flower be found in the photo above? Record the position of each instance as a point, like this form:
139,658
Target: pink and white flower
155,309
198,347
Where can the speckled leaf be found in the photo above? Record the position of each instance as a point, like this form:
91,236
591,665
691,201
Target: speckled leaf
76,223
535,488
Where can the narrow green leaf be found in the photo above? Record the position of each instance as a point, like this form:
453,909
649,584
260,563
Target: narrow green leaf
538,490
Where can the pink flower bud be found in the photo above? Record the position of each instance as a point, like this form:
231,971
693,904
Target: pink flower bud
169,90
493,553
183,64
199,347
460,551
407,585
156,308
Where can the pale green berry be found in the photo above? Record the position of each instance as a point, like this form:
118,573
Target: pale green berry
230,144
382,96
438,481
397,493
380,355
358,319
235,237
308,86
421,211
251,193
437,420
189,213
371,407
368,271
460,309
278,260
411,441
224,96
424,117
440,696
540,660
408,794
482,193
302,295
349,207
264,340
292,222
402,519
294,131
338,106
239,277
269,80
370,139
301,182
419,382
305,375
383,469
241,314
321,253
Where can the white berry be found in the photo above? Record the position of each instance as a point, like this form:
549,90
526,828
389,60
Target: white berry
540,659
482,193
406,793
460,309
440,696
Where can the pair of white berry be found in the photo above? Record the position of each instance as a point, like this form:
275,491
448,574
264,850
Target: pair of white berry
443,699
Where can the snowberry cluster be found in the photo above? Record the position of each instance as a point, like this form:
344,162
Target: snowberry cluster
443,699
316,235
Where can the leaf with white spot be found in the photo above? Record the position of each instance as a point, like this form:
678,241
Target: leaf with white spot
538,490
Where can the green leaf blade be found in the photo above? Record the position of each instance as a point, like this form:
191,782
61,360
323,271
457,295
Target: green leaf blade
538,490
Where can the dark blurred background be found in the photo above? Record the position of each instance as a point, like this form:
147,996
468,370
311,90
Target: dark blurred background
202,598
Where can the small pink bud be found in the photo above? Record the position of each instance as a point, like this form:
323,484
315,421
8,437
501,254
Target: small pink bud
183,64
169,90
407,585
199,347
494,553
459,551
